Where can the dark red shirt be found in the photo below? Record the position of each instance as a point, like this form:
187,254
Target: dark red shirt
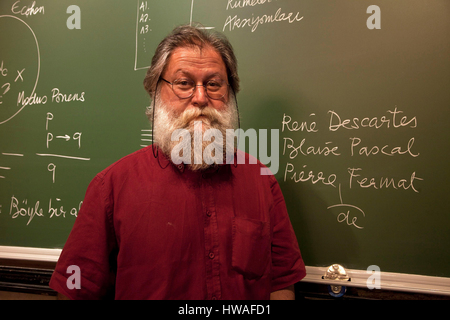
149,229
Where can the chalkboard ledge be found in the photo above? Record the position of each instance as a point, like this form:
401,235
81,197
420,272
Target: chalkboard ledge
358,278
388,281
27,253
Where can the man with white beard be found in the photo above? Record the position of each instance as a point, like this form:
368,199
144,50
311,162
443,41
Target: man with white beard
174,133
166,222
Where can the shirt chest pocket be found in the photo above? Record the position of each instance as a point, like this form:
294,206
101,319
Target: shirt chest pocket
251,248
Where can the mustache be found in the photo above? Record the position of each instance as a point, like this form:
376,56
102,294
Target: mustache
211,115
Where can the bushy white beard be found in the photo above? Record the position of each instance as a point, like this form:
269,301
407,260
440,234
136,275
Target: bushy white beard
166,121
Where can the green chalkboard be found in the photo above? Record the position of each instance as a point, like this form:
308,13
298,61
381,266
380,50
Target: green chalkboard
359,96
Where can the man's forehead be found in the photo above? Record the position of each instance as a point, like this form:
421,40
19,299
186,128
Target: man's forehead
183,58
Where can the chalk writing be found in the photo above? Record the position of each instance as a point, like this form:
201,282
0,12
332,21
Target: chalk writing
142,33
356,148
385,150
383,182
13,154
33,99
233,4
286,124
73,138
344,216
58,97
27,11
312,177
21,208
326,150
52,168
14,78
146,137
3,168
234,22
391,121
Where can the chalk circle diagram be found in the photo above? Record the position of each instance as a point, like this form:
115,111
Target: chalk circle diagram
20,64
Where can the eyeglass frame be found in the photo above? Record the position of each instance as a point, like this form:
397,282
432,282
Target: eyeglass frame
193,91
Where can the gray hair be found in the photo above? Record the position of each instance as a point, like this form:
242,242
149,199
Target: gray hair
191,36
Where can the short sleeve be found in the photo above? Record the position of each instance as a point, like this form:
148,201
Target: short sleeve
91,246
287,263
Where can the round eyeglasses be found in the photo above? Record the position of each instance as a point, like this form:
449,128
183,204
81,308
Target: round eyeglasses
184,88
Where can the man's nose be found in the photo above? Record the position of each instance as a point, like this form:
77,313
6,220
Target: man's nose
200,98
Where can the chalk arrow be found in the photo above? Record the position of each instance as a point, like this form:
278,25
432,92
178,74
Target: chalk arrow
67,137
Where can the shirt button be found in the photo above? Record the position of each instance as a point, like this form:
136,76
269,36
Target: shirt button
208,213
211,255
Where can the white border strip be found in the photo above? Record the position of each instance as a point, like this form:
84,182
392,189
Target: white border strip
389,280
